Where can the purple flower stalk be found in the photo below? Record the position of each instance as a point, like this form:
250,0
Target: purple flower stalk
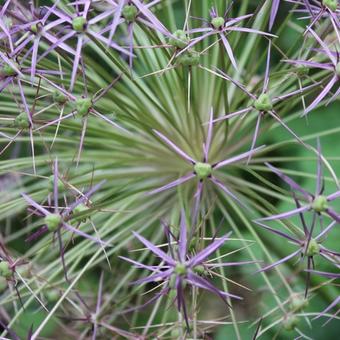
333,66
56,220
181,268
221,26
203,170
308,246
263,103
317,202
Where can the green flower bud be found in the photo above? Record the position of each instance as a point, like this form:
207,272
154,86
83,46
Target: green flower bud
290,322
202,170
61,185
59,97
180,269
80,209
52,295
320,204
313,248
129,12
21,121
3,284
52,221
218,22
179,39
83,105
263,103
331,4
8,71
200,270
5,270
79,24
35,28
297,303
189,58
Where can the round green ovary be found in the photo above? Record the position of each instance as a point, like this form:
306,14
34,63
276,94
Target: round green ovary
52,221
180,269
83,105
202,170
5,270
79,24
331,4
313,248
61,185
290,322
129,12
189,58
21,121
59,97
263,103
217,22
179,39
320,204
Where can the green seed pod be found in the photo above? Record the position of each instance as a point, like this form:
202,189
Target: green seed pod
179,39
34,28
79,24
263,103
129,12
200,270
52,295
21,121
83,105
189,58
5,270
297,303
202,170
61,185
218,22
290,322
80,209
3,284
320,204
313,248
52,221
331,4
180,269
59,97
8,71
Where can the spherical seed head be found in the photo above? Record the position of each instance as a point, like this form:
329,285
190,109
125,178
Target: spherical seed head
83,105
189,58
21,121
129,12
79,24
52,221
179,39
180,269
217,22
59,97
5,270
290,322
263,103
297,303
8,70
3,284
331,4
61,186
202,170
320,204
337,69
313,248
199,269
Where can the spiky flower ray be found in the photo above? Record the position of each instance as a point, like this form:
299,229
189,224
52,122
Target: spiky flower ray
177,103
